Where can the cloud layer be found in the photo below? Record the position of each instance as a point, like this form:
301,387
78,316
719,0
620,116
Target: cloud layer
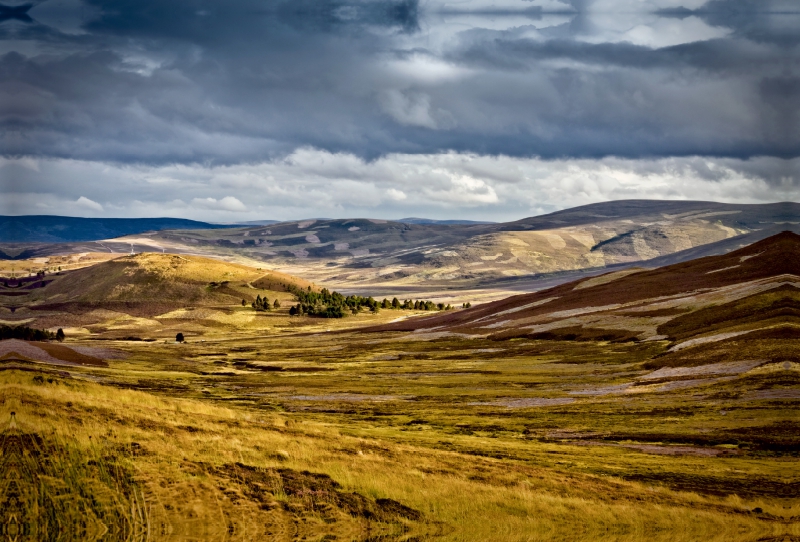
314,183
227,108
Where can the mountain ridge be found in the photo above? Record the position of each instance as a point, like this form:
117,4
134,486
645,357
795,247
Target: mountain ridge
63,229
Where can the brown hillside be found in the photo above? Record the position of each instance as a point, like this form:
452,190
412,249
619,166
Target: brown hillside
162,278
778,304
745,290
143,286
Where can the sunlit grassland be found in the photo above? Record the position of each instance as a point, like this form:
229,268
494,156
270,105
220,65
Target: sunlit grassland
487,440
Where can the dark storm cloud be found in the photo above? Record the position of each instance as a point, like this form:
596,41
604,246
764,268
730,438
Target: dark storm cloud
242,82
19,13
194,81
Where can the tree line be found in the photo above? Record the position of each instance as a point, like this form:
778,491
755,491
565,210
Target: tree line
328,304
25,333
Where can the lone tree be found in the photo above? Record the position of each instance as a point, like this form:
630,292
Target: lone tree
60,335
179,338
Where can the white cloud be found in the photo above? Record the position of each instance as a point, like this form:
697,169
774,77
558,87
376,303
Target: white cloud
228,203
649,30
89,204
462,189
396,195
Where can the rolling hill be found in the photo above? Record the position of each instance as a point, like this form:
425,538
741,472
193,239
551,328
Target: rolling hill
418,220
361,252
162,278
142,288
734,306
377,256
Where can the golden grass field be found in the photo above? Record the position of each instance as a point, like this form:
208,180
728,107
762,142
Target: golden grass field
480,443
263,426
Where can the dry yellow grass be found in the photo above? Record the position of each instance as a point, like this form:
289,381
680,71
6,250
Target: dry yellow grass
199,442
176,450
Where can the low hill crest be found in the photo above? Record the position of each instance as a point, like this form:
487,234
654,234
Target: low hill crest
162,278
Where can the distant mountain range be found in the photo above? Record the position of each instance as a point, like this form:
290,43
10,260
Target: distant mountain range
370,255
357,253
67,229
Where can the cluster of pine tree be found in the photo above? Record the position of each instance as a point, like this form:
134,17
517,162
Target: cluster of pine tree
263,304
26,333
327,304
417,305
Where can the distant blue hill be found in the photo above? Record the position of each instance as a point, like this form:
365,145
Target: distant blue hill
415,220
65,229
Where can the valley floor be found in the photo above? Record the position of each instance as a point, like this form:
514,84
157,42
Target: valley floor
393,436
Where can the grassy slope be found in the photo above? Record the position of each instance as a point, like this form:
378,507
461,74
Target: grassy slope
148,276
158,295
744,290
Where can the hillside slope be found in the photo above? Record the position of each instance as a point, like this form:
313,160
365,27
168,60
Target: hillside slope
163,278
751,292
144,292
360,252
158,277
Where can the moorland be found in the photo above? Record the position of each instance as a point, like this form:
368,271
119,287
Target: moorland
651,402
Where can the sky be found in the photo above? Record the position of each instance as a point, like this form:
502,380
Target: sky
466,109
